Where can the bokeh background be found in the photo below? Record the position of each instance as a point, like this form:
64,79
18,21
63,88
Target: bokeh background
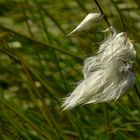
40,65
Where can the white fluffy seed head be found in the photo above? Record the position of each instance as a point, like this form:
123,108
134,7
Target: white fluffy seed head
89,21
106,75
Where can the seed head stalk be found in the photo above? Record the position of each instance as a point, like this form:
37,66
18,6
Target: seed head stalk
104,16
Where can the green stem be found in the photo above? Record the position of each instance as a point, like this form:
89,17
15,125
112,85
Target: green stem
108,121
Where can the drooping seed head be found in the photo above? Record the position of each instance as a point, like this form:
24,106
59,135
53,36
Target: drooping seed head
106,75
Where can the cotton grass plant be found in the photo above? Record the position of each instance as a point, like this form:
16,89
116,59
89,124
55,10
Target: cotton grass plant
108,74
36,75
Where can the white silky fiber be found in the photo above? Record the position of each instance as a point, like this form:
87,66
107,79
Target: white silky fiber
106,75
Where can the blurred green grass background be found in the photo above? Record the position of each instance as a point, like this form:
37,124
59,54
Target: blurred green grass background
39,65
